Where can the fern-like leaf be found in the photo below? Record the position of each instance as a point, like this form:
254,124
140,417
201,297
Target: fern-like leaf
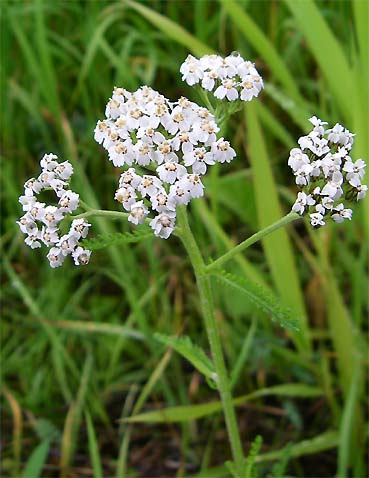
279,469
115,238
232,468
250,469
191,352
260,297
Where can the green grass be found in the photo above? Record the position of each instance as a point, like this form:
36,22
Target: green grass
81,368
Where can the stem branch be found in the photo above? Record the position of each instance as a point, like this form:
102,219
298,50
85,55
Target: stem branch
290,217
102,213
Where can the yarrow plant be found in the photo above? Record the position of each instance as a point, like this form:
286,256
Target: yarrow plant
41,222
326,173
164,149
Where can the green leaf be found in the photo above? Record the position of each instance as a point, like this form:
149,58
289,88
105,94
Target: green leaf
186,413
296,112
326,441
73,418
116,238
191,352
317,444
260,297
36,461
93,448
266,49
93,45
347,425
90,327
172,29
326,49
232,468
250,460
47,431
279,469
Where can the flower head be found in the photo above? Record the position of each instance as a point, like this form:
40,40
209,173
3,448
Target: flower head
231,77
175,142
326,174
41,222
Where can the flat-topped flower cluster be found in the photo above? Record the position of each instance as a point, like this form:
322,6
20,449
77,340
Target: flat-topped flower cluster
231,77
175,141
41,222
326,173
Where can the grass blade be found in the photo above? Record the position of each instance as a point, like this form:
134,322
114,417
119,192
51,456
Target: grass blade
73,419
93,46
322,442
97,328
36,461
326,50
17,428
240,363
317,444
47,69
171,29
93,448
262,45
348,424
361,93
121,469
193,412
60,355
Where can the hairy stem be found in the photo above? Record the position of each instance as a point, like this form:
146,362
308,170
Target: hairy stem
206,298
102,213
292,216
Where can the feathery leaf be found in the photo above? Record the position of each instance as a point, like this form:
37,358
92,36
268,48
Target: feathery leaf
260,297
116,238
191,352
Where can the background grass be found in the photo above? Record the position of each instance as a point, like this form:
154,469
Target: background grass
78,349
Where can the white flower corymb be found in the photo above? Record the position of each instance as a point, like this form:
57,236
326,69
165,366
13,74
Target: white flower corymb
176,141
326,174
41,222
231,77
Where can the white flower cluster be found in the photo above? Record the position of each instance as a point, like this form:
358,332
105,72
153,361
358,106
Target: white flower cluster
326,173
41,222
232,77
144,129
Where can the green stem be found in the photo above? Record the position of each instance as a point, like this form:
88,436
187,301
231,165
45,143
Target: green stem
110,214
102,213
85,206
204,288
290,217
204,96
